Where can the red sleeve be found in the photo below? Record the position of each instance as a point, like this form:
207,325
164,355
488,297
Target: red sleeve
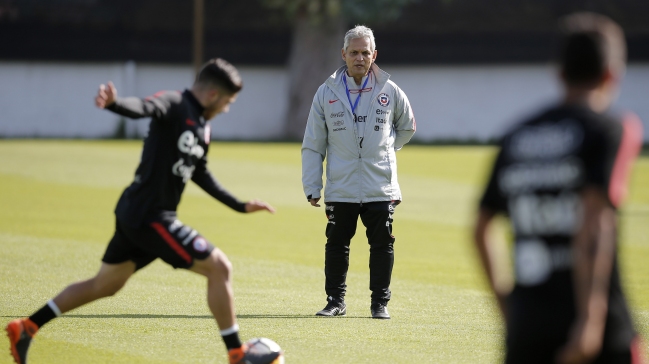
630,146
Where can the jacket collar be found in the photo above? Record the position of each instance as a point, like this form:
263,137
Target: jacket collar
336,79
194,102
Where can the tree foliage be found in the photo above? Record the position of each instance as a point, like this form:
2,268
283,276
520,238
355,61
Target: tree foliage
375,10
318,29
352,10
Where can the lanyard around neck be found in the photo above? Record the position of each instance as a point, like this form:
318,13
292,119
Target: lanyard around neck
359,94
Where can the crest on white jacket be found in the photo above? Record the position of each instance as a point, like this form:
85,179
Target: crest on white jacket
356,173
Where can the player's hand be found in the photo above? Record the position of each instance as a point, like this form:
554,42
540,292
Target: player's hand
106,95
584,343
314,202
257,205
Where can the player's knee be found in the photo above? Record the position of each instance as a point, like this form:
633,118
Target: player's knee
382,244
220,264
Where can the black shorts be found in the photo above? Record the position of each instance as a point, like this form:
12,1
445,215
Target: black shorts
164,238
541,356
539,327
542,352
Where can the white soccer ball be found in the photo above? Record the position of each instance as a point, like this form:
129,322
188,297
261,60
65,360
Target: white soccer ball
262,350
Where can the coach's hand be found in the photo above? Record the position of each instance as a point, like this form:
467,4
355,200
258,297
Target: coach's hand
314,202
257,205
106,95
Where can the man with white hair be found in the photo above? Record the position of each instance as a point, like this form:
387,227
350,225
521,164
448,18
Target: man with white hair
358,120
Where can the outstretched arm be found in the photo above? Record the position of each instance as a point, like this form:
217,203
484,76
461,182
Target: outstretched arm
258,205
205,180
106,95
132,107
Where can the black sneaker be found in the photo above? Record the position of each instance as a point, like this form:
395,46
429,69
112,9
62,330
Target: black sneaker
380,311
335,307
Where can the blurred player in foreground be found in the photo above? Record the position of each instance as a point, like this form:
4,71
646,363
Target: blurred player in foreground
175,151
560,177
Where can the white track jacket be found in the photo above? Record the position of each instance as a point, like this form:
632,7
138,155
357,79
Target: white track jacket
356,173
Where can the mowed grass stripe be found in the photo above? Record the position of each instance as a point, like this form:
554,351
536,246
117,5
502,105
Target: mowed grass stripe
61,195
271,297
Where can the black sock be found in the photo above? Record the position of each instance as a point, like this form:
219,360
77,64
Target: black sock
232,341
43,316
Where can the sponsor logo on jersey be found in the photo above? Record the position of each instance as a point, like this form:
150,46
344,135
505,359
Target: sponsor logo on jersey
378,128
338,123
380,121
359,119
524,177
383,99
383,112
188,144
339,129
329,208
535,261
332,101
181,170
338,114
545,214
547,140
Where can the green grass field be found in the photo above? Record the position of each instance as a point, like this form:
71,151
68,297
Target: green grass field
57,199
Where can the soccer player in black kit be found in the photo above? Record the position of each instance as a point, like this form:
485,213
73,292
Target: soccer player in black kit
147,228
560,177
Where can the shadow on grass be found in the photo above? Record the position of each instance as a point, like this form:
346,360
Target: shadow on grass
145,316
298,316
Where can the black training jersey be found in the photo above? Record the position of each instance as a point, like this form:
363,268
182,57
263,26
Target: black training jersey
542,166
175,151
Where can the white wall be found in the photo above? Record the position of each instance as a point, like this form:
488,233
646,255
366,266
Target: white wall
480,102
450,102
469,102
57,99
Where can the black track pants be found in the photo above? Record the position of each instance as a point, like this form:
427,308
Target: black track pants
341,227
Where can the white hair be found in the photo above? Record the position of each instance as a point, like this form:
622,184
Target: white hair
359,31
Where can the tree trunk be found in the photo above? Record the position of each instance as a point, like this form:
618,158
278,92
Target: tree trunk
315,55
